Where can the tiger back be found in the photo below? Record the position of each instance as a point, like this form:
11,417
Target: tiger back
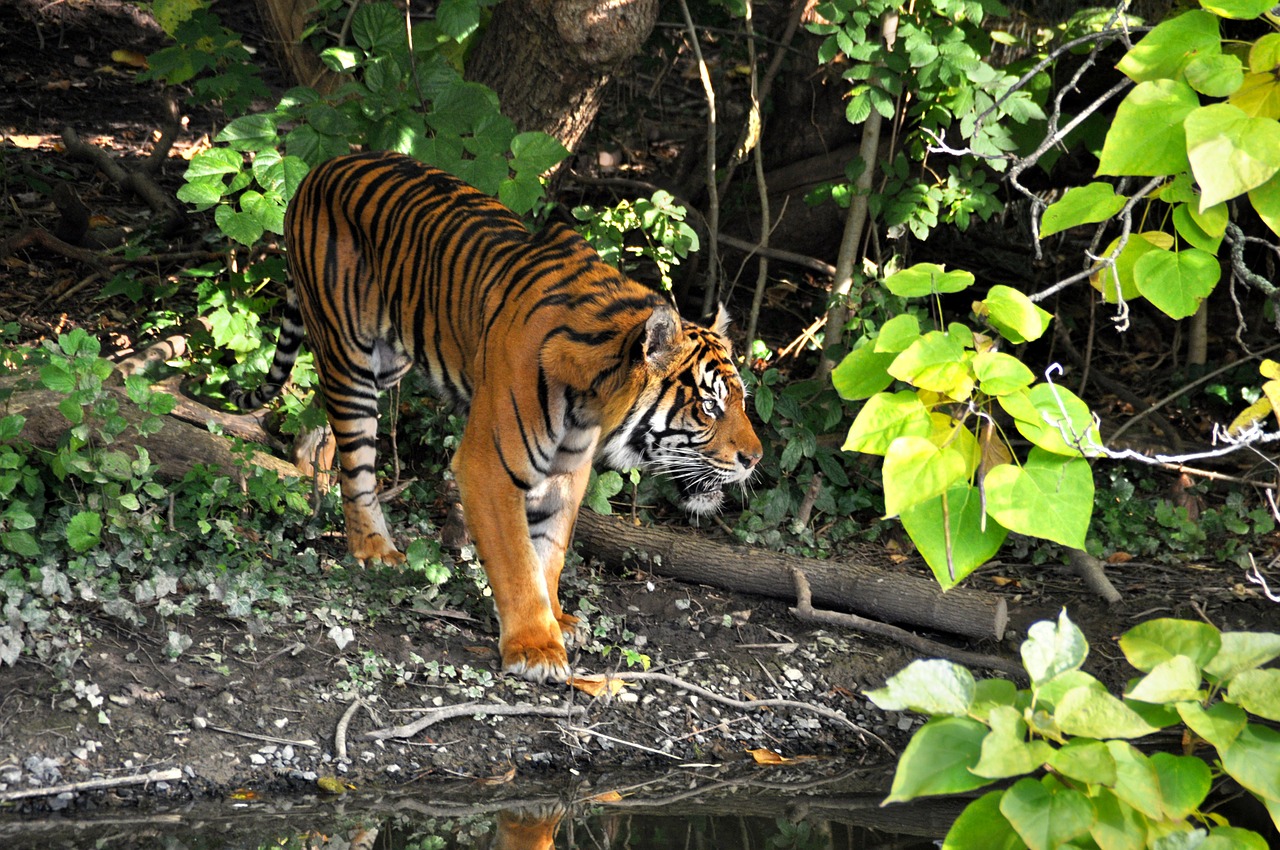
559,357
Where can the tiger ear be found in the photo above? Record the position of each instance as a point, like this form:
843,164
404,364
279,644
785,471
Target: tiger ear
660,332
720,327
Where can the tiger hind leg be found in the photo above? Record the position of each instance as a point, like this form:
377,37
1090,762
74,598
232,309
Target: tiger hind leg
353,416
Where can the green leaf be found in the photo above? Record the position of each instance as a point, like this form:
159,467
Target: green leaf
1137,246
1086,761
1006,752
938,759
886,417
1093,713
1147,138
71,410
57,377
1258,692
954,524
243,227
1117,825
1233,838
1154,642
915,470
1239,9
214,162
1191,231
1184,783
1049,496
1167,49
11,427
1176,679
378,28
1014,315
536,152
1081,205
936,361
1253,760
1219,724
1052,649
1216,75
21,543
1045,813
250,132
999,373
1136,782
932,686
458,18
862,373
1230,152
84,531
1240,651
1266,203
898,333
1050,414
202,193
981,826
927,279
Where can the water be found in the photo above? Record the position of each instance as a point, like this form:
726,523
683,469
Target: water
766,810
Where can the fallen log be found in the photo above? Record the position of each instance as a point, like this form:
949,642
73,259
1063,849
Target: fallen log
873,592
174,449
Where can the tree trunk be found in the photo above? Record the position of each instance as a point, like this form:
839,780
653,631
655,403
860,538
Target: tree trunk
549,60
285,21
879,594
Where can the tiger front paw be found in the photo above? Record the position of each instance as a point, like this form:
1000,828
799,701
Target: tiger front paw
542,660
374,547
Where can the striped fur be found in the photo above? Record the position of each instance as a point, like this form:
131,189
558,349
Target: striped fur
559,357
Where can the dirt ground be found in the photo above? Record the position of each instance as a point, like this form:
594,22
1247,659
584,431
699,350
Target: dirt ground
239,710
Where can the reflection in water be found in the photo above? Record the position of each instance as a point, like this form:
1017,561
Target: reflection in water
676,812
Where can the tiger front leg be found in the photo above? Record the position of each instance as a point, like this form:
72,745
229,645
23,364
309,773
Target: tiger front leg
530,638
551,509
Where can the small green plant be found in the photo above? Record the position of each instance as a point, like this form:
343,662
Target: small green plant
662,236
1083,784
205,54
949,470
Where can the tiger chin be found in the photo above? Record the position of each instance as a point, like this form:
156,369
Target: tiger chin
559,359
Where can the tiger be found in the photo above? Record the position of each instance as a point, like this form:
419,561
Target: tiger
557,357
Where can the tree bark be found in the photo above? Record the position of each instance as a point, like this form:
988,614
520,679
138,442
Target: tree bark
549,60
285,21
872,592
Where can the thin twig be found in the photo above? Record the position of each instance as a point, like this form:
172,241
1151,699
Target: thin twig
750,705
270,739
713,196
470,709
169,775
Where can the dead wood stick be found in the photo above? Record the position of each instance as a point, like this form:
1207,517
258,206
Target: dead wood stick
751,704
42,238
139,182
804,610
471,709
1093,573
169,775
270,739
885,595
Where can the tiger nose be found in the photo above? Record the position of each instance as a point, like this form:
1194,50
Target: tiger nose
748,460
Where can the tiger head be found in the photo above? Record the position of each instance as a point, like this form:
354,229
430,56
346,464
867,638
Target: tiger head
688,417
